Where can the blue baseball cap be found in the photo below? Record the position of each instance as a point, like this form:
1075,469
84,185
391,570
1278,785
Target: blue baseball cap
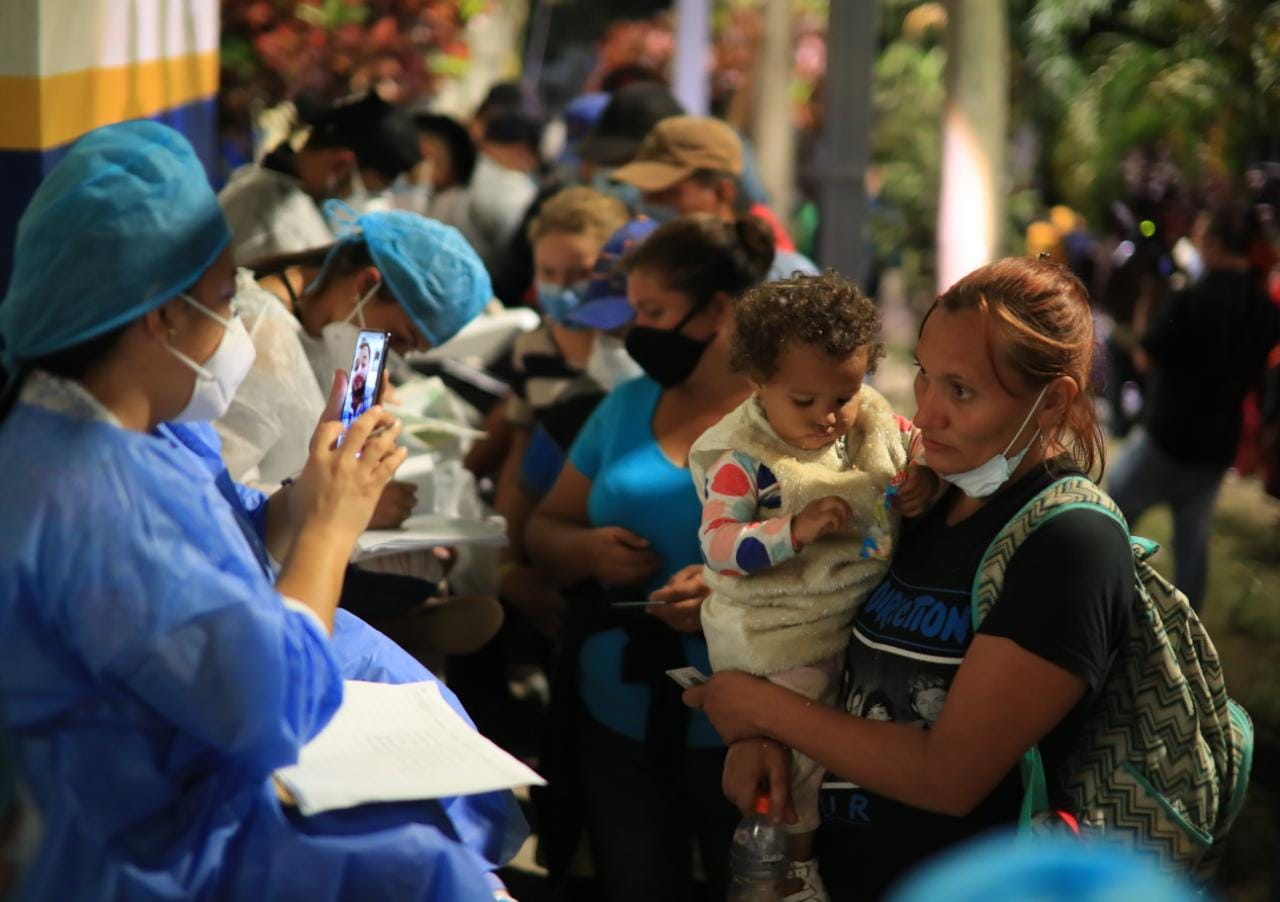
122,224
580,116
605,305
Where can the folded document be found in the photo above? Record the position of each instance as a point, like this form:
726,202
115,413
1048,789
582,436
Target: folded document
394,744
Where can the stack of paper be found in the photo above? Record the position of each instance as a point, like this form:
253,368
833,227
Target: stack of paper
396,744
426,426
430,531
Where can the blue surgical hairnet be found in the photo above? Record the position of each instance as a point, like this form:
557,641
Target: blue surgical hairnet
1040,869
122,224
428,267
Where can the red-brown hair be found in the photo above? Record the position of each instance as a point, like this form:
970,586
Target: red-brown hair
1042,330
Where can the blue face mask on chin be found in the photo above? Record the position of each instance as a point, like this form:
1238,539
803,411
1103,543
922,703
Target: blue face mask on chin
558,301
984,480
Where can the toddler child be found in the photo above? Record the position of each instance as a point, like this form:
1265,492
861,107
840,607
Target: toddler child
802,486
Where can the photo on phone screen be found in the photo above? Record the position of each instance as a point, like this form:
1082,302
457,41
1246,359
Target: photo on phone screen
364,379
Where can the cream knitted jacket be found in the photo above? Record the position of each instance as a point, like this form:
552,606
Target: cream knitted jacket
801,610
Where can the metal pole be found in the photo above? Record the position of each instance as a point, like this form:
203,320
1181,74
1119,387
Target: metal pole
851,51
689,68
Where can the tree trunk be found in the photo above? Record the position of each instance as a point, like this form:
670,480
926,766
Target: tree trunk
974,125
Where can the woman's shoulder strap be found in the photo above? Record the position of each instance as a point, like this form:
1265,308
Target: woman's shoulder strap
1074,492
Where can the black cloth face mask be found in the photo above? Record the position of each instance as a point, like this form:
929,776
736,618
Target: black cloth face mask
667,356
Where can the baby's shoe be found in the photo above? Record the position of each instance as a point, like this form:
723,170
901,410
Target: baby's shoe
811,889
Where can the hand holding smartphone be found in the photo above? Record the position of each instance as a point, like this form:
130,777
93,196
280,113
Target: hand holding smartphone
364,379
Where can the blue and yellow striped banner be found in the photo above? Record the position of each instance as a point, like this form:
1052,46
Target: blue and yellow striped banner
49,111
70,66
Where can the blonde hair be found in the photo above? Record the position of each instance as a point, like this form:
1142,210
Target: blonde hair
579,211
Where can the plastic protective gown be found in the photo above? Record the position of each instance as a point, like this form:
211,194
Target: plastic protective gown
265,432
269,213
154,679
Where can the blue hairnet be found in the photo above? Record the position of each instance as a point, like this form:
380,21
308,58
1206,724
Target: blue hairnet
428,267
1061,869
123,223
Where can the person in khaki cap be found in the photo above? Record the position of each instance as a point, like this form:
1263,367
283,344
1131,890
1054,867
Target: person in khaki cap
691,164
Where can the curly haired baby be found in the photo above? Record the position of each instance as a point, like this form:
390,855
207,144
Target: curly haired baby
797,521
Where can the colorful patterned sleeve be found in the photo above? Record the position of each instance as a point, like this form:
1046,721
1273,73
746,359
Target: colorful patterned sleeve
734,540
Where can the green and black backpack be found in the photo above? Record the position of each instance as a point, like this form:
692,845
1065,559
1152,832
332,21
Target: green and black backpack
1162,761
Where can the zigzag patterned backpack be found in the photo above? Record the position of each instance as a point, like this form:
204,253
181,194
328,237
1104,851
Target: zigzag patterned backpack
1162,762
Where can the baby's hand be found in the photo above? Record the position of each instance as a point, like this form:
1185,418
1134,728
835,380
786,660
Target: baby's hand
819,518
917,491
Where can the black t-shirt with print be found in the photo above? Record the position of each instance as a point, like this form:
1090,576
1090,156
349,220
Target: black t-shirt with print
1065,599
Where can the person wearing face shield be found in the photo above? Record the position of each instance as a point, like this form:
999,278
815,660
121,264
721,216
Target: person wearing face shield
157,667
356,150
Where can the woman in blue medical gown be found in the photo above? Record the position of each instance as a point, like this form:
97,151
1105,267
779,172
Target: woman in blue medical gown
156,667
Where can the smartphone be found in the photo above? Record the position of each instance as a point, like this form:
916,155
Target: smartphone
364,378
688,677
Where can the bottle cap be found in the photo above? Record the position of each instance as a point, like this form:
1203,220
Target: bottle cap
762,803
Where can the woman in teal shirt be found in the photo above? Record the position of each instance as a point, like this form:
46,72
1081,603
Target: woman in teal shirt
621,523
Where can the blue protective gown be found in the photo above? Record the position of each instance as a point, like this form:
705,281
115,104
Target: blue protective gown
153,680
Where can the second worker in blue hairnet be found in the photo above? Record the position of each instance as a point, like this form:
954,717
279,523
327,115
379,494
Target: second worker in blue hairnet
396,272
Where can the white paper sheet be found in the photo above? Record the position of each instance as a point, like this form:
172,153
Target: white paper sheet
394,744
424,426
430,531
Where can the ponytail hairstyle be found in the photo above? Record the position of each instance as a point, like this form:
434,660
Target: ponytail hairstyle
332,261
702,255
1041,325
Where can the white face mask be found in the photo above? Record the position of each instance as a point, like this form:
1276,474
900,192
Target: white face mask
609,364
218,378
340,338
984,480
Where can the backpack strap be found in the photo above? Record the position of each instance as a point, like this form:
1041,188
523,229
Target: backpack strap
1065,494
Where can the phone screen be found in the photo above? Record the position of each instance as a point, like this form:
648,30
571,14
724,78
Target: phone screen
364,379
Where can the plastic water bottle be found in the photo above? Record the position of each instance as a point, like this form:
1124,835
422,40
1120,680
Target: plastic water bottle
758,857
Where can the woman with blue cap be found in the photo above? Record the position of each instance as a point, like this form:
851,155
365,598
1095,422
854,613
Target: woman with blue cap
155,682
